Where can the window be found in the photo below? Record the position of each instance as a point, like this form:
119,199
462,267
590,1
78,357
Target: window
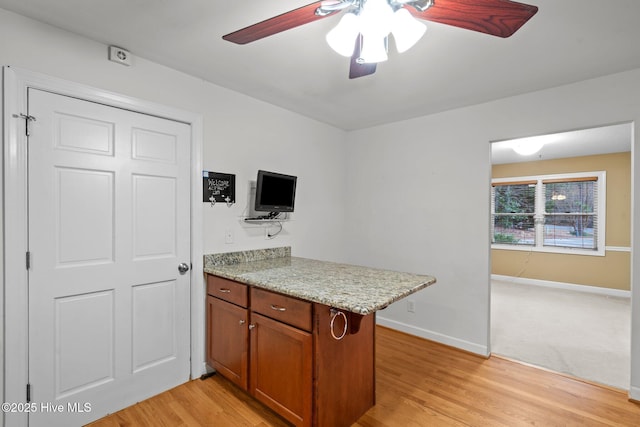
514,213
550,213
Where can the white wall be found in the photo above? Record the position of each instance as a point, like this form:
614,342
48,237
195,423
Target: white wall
419,200
241,135
413,207
287,144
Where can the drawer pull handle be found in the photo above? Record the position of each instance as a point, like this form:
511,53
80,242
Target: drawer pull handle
224,290
277,308
335,313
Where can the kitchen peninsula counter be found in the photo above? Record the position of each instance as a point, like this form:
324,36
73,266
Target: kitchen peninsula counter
360,290
298,334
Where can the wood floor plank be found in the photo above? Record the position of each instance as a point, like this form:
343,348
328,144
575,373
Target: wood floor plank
418,383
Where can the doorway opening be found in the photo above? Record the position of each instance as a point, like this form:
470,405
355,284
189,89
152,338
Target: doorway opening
560,261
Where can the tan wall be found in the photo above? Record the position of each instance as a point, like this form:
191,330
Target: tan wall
610,271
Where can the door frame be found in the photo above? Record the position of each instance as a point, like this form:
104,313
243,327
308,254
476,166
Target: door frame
14,230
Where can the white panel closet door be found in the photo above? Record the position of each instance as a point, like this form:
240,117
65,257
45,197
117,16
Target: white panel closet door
109,222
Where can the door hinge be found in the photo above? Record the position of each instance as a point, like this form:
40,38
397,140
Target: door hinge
28,260
27,120
28,392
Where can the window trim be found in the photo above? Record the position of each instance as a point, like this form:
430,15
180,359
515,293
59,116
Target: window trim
601,207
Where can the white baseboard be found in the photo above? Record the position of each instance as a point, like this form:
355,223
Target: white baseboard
434,336
634,393
559,285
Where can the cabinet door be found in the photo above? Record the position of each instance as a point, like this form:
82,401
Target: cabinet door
228,340
282,368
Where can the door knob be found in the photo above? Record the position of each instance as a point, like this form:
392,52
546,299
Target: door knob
183,268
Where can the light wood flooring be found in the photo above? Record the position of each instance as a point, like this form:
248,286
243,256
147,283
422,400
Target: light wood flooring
418,383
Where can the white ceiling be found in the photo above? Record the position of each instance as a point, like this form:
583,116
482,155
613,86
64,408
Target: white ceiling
600,140
566,41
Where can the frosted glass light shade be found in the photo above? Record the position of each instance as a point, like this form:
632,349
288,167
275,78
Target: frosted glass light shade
375,24
374,49
342,38
527,146
406,29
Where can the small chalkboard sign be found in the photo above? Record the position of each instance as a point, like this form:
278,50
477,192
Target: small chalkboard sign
218,187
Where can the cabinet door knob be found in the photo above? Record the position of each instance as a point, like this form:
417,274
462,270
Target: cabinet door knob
252,325
242,322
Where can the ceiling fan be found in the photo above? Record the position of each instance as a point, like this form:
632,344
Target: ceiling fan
362,32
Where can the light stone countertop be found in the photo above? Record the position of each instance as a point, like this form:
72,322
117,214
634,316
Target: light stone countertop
360,290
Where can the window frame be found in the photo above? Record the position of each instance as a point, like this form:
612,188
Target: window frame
539,215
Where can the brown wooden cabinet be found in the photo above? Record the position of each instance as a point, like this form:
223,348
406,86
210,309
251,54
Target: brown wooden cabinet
228,340
282,351
227,333
281,374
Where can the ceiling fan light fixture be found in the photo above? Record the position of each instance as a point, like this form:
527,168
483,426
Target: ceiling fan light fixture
342,37
375,20
499,18
406,30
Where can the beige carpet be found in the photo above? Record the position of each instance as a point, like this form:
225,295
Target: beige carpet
577,333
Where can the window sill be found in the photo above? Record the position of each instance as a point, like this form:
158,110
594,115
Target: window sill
551,250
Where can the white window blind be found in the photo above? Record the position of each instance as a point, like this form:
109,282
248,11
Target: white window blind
571,217
551,213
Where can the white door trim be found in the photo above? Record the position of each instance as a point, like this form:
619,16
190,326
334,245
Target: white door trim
14,218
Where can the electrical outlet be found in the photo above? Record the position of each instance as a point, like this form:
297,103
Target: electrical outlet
411,306
228,236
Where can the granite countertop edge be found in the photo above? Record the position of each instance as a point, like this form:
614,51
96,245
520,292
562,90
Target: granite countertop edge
357,289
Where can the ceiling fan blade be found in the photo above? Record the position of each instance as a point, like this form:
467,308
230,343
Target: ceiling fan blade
499,18
286,21
356,69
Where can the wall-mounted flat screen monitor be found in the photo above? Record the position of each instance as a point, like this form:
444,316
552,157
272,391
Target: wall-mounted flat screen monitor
275,192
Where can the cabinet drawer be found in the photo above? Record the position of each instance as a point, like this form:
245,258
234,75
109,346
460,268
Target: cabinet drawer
280,307
227,290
